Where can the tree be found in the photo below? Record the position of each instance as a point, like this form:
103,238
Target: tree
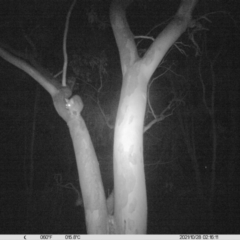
130,200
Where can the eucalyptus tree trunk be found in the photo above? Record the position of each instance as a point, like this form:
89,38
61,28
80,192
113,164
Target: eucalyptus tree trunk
130,206
130,199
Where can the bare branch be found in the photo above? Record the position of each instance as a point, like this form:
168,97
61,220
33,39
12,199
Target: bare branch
158,25
48,84
57,74
144,37
177,45
58,179
106,119
64,82
160,118
168,111
102,112
149,86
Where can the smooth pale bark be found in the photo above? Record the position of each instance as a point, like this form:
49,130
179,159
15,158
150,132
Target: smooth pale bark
130,209
88,167
130,200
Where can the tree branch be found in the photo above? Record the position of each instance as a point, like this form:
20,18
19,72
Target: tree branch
168,36
51,85
64,81
123,35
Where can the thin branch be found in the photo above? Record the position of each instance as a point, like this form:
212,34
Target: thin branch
58,179
149,86
163,114
144,37
158,25
64,82
203,86
57,74
177,45
88,84
111,126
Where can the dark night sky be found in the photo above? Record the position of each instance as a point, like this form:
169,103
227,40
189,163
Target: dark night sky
32,132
